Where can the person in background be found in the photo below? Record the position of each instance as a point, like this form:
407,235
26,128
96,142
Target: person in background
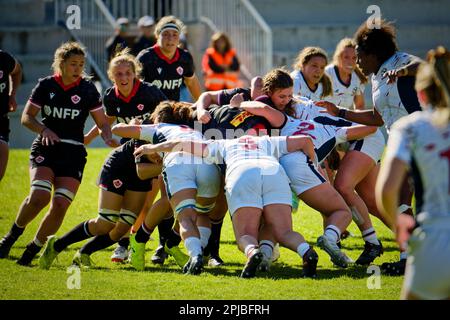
146,38
220,64
118,41
10,72
421,142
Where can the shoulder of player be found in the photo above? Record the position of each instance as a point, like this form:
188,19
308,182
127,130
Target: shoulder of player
415,119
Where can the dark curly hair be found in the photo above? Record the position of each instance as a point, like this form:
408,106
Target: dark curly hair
172,112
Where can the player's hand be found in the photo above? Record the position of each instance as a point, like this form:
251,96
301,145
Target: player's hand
392,75
404,227
203,116
49,138
12,104
329,107
236,100
145,149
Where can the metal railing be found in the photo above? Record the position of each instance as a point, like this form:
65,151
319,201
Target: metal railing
248,31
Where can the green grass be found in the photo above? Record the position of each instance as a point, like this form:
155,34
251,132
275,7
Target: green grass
109,281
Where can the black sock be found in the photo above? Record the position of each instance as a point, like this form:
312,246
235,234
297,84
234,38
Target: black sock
97,243
164,229
15,232
30,252
77,234
214,240
124,242
142,235
174,239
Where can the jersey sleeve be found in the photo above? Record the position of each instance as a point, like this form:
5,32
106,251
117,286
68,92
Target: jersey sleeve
148,133
7,62
108,104
39,94
399,143
95,99
189,68
278,146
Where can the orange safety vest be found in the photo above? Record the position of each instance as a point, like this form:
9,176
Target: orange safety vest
218,81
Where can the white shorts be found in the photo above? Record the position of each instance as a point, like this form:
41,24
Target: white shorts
427,273
203,177
303,175
372,145
247,186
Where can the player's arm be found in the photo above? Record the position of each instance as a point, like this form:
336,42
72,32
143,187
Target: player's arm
359,132
368,117
197,148
29,120
204,101
16,77
409,70
104,127
302,143
275,117
127,130
95,131
193,84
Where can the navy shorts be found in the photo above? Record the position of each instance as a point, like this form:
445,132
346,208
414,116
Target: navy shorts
4,128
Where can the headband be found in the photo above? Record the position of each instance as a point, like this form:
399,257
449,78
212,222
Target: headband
169,26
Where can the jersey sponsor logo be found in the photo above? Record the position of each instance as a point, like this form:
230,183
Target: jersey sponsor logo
180,70
127,120
2,86
117,183
140,107
39,159
240,118
159,70
61,113
167,84
1,74
75,99
51,95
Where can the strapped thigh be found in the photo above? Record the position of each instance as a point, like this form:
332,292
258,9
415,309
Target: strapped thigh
109,215
43,185
128,217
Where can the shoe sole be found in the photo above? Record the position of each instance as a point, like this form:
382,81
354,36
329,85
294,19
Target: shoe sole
336,258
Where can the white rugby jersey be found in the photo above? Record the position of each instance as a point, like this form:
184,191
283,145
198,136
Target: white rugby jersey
325,137
343,95
263,150
426,148
397,99
157,133
301,88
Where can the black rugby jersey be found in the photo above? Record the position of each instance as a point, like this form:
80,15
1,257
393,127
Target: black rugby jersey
166,74
64,109
7,64
122,157
226,95
140,104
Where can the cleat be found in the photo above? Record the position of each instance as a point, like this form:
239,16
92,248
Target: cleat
28,255
120,254
330,247
310,259
371,251
180,257
137,254
159,256
265,264
49,254
276,252
5,246
194,266
82,260
252,264
215,261
394,268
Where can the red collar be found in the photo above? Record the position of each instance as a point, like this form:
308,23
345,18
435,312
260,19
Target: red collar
58,79
162,56
137,83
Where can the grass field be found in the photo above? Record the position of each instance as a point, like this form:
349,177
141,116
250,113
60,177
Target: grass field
107,280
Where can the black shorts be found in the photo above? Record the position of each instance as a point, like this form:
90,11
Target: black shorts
4,128
65,159
117,178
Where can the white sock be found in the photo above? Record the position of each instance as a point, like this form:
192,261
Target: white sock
332,233
193,246
302,248
266,247
249,250
403,255
38,243
370,235
205,233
